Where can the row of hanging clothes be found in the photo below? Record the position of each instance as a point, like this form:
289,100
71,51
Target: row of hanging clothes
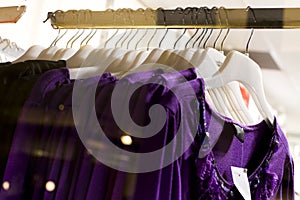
154,123
9,50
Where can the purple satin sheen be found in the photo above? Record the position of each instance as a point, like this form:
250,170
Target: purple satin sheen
29,124
266,156
52,150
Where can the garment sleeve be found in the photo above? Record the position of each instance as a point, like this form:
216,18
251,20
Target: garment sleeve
286,190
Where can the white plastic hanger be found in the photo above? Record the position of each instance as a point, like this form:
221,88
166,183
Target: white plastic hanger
212,58
98,60
66,53
156,53
129,61
10,50
153,56
239,67
79,57
48,53
32,53
231,93
206,67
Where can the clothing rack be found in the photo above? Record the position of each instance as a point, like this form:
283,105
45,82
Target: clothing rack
190,17
11,14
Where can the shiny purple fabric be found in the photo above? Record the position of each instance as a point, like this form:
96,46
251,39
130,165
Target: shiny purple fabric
141,100
264,153
16,82
53,151
29,124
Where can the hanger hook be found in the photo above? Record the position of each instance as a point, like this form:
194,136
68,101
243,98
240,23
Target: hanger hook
188,9
130,40
121,38
228,29
70,40
60,37
148,44
92,32
77,19
51,15
121,11
161,40
131,20
126,37
126,17
95,31
250,37
143,36
54,39
145,33
86,37
77,38
211,23
192,37
206,29
252,30
220,32
113,35
203,30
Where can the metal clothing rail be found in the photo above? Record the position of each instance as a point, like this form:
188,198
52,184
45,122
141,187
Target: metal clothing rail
11,14
190,17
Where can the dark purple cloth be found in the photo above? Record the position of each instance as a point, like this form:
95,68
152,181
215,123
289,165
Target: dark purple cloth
264,153
70,153
141,101
54,150
175,180
16,82
30,122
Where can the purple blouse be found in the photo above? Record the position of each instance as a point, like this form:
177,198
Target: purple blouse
265,154
53,151
139,103
29,123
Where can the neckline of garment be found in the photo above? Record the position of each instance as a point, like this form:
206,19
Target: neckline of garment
255,173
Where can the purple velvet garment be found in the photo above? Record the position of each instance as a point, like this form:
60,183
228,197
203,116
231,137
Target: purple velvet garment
53,150
69,157
74,177
100,182
89,167
29,124
139,103
177,180
265,154
16,82
57,161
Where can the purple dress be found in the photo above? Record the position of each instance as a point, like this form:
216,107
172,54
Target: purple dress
51,140
141,100
53,150
16,82
30,122
265,154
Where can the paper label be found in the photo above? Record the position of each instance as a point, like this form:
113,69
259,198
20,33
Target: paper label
240,180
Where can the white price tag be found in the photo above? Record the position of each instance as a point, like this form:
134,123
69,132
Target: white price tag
240,180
